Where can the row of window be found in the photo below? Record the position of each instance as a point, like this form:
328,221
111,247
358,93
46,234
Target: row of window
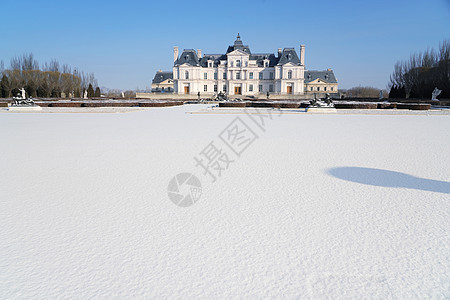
238,63
318,89
250,88
238,75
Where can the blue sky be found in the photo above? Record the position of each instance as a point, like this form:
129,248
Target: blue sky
125,42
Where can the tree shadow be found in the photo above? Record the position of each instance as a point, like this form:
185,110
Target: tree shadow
386,178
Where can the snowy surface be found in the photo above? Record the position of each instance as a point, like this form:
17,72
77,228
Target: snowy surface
318,206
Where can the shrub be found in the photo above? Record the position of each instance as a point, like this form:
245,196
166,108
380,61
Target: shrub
233,104
355,105
109,104
414,106
65,104
260,104
386,105
289,105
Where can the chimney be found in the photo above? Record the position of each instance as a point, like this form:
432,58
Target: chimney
175,53
199,53
279,52
302,55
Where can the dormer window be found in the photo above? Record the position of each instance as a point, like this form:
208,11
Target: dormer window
210,64
187,57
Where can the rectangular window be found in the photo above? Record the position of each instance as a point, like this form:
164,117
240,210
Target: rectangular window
260,88
215,76
332,88
224,88
210,64
205,88
271,88
205,75
260,75
224,75
238,75
215,88
325,89
318,88
250,88
250,76
238,63
271,75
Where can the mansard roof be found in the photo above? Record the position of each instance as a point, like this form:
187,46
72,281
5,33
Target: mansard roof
260,57
238,45
216,58
161,76
189,56
327,75
289,56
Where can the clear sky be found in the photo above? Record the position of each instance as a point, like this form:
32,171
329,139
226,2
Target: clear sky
125,42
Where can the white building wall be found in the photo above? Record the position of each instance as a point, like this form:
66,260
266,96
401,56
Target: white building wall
279,81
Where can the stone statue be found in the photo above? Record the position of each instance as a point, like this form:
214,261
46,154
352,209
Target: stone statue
327,102
381,95
85,95
22,90
221,97
123,95
436,92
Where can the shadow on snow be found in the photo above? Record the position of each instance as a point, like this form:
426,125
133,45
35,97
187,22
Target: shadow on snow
386,178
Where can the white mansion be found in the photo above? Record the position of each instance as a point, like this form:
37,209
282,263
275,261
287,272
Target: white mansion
240,72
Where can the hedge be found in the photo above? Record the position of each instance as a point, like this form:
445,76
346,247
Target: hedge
414,106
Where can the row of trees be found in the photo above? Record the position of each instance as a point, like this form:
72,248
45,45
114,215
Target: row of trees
365,92
418,76
48,80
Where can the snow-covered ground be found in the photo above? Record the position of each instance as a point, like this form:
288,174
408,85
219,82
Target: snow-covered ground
314,206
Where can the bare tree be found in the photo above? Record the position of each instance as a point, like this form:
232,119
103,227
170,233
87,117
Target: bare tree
51,80
424,71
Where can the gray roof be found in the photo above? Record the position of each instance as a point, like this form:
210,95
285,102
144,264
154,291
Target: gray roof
260,57
161,76
326,75
289,55
216,58
238,45
188,56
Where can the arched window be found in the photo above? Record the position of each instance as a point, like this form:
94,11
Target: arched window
186,75
289,74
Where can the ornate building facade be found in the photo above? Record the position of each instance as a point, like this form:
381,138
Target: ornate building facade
239,72
162,82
